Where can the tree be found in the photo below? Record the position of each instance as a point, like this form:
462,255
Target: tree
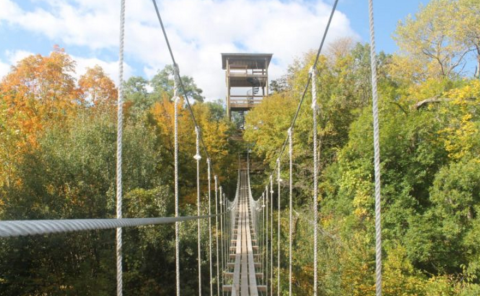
137,98
97,88
467,27
430,39
71,174
162,82
40,91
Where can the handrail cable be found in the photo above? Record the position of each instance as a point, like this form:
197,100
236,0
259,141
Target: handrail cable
35,227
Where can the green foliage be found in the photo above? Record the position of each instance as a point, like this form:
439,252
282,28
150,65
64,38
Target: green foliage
70,174
162,83
430,170
430,141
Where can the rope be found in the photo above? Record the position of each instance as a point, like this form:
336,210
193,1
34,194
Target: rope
315,179
177,226
376,145
216,232
197,157
263,237
290,227
279,180
267,241
37,227
118,236
210,227
225,237
271,235
222,253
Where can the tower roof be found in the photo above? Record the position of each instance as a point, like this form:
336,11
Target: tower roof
250,60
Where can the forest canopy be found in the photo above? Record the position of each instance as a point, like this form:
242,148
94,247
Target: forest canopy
58,141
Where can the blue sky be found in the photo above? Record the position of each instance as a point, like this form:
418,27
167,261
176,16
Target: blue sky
199,31
387,14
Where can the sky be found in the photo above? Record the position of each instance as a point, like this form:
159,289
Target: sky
199,31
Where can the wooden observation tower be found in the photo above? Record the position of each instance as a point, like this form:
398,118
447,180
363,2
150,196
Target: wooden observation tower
246,78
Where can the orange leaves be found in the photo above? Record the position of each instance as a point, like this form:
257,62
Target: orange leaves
98,88
40,91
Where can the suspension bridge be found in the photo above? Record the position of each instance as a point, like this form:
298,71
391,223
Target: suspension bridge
241,257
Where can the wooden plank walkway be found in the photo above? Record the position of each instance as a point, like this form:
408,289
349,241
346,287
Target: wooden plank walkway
244,265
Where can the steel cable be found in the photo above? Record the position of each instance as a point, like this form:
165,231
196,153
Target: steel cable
38,227
376,145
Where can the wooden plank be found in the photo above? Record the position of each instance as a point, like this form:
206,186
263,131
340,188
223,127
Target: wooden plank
262,288
244,245
245,230
251,262
236,270
227,288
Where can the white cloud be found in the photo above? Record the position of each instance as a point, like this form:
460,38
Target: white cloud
198,30
111,68
82,63
11,59
15,56
4,69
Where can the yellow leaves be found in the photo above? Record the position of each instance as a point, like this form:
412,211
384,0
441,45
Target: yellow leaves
461,134
214,134
466,94
263,123
400,277
431,39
